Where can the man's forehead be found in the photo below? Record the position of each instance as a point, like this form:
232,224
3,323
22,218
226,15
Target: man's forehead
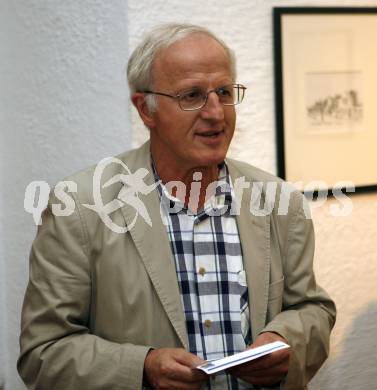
197,54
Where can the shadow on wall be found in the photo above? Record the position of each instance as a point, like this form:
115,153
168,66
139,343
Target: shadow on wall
355,367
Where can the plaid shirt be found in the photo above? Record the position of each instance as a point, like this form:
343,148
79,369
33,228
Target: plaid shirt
211,276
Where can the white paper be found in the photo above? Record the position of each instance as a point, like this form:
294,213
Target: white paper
214,366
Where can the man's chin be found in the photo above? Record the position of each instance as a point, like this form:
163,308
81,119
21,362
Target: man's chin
211,160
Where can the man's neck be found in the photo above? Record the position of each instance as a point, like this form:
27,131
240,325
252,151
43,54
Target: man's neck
195,180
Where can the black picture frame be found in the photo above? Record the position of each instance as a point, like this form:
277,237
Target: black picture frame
345,147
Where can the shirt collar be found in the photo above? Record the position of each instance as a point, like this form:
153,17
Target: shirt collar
223,196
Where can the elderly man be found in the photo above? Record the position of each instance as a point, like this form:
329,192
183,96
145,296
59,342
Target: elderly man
195,274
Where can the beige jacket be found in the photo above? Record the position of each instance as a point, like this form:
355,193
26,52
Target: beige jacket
98,300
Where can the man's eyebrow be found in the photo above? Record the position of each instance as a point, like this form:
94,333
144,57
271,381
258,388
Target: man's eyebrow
194,87
202,87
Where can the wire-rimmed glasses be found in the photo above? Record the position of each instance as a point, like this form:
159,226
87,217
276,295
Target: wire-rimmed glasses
196,98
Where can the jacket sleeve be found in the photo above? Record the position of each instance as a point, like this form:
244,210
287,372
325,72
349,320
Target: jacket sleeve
308,314
58,350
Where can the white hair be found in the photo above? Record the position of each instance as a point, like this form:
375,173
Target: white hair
139,69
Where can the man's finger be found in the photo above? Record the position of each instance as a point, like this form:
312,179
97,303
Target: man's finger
269,361
188,359
188,363
279,369
264,363
187,374
247,371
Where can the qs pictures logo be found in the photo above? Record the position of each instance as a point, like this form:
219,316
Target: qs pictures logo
37,195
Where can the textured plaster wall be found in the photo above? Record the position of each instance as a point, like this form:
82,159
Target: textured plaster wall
346,264
346,258
63,106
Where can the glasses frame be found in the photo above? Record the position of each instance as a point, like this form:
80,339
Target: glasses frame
216,90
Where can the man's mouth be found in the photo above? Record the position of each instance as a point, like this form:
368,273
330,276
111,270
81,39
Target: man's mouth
210,134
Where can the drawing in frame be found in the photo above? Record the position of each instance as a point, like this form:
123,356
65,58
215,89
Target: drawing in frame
326,96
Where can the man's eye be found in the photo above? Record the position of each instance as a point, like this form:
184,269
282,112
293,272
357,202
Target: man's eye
193,95
224,92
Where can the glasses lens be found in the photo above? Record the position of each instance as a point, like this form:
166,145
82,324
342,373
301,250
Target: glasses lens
192,99
230,95
239,92
227,94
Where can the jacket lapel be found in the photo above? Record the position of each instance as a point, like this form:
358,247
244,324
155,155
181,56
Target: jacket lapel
254,233
153,245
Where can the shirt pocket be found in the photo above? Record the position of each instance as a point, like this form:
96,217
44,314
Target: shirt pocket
275,298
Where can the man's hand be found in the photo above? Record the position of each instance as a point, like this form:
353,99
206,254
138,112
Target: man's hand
267,370
173,368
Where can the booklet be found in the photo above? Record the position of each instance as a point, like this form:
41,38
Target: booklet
217,365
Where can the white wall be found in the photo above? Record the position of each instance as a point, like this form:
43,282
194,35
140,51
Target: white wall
346,264
64,106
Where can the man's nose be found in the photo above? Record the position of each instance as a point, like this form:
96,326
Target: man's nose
213,109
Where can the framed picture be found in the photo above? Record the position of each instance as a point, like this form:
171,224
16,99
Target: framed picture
326,97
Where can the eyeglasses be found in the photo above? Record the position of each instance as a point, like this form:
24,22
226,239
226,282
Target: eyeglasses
196,98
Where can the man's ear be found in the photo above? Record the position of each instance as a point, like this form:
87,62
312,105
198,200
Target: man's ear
139,101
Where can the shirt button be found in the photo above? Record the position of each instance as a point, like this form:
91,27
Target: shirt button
207,323
202,271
